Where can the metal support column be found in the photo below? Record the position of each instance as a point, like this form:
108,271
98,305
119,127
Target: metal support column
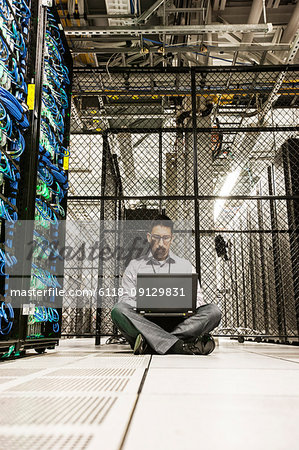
195,174
102,217
160,170
263,271
277,262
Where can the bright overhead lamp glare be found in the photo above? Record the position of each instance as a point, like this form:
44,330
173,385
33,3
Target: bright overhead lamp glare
226,189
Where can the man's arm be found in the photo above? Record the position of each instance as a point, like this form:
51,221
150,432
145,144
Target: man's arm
129,282
200,300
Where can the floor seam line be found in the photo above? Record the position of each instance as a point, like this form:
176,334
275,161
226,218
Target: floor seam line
135,404
271,356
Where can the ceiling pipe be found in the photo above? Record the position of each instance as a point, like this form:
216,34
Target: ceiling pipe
147,14
292,27
209,36
254,18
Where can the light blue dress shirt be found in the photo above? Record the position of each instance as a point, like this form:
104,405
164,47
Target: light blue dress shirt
144,264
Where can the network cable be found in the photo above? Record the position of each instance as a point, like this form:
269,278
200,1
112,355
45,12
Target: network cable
6,318
46,277
45,211
14,25
52,183
48,248
43,314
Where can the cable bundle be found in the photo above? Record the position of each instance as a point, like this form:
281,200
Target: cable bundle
6,318
43,190
14,25
44,249
54,105
6,259
14,21
45,211
6,212
52,181
43,314
46,277
8,170
14,108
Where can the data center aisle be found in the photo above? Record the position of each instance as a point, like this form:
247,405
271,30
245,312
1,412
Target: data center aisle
243,396
75,397
84,397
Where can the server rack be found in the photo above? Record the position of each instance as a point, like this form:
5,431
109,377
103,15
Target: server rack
41,202
14,40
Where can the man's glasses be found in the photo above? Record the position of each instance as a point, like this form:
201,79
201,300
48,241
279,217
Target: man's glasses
156,238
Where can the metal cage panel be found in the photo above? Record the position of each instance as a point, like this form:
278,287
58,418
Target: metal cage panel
215,147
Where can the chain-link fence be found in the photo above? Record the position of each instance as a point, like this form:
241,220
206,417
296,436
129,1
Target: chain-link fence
217,148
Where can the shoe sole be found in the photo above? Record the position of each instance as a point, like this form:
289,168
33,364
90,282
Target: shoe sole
209,347
138,347
205,349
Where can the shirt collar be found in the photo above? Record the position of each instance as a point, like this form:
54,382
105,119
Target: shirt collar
170,258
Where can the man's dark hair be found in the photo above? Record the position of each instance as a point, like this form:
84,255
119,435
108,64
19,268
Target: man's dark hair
162,220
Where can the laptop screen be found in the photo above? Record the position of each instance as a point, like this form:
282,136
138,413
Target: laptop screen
166,292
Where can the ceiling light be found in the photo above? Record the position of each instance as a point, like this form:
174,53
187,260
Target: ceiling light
226,189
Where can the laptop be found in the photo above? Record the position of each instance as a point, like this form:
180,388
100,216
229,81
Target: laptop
166,294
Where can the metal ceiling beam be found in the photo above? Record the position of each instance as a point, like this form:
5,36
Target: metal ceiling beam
96,50
231,48
254,17
274,94
222,4
292,27
182,29
135,115
208,36
176,10
104,39
109,16
185,49
216,5
232,38
147,14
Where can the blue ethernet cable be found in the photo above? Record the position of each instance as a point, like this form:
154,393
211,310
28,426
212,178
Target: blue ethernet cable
13,107
6,318
5,214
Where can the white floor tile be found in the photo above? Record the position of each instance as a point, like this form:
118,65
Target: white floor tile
70,398
222,360
242,396
214,421
223,381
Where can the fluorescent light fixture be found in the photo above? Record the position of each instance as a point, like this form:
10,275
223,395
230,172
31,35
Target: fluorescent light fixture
226,189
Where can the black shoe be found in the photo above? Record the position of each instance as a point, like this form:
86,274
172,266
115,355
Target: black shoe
187,350
180,348
203,345
140,346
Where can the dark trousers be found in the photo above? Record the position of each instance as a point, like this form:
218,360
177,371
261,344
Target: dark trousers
163,333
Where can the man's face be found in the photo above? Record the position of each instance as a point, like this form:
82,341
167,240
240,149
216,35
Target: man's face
160,247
